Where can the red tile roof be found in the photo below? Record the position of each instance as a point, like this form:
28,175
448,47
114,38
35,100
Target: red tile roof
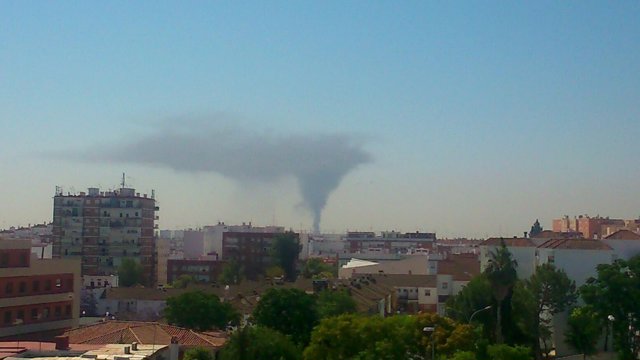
463,267
122,332
514,242
575,244
623,235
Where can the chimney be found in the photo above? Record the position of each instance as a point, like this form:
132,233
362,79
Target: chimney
174,348
127,350
62,342
525,234
134,346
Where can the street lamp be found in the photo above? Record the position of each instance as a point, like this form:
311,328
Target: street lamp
431,330
611,319
477,311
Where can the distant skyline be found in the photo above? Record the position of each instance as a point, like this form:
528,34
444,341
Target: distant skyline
467,119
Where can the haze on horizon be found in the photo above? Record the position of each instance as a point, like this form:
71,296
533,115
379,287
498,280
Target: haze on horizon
467,119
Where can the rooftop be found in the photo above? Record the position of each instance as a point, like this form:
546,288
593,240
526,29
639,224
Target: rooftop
575,244
512,242
623,235
126,332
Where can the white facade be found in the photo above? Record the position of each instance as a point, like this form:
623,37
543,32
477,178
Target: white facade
624,249
524,255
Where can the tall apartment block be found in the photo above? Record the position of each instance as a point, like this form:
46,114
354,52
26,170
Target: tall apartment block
36,294
103,228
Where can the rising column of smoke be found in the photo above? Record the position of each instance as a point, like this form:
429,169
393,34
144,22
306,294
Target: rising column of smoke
318,162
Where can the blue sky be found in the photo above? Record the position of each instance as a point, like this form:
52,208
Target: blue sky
479,116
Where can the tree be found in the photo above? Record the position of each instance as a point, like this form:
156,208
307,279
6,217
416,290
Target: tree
130,273
552,292
88,303
198,353
616,292
476,295
260,343
506,352
352,336
502,276
290,311
536,229
314,267
183,281
231,273
274,272
584,330
200,311
333,303
284,251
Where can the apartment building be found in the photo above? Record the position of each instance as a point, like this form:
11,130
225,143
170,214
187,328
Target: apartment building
595,227
390,242
36,294
249,249
201,270
103,228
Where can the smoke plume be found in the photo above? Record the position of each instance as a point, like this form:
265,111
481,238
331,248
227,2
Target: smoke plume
318,162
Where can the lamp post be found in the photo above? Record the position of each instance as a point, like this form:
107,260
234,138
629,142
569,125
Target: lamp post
477,311
610,319
431,330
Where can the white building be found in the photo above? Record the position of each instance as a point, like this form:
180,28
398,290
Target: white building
625,243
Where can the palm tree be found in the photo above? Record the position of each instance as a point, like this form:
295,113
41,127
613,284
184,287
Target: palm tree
502,275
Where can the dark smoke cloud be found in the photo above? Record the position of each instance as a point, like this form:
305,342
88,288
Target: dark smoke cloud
318,162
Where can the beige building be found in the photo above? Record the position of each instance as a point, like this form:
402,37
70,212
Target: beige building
163,247
105,227
36,294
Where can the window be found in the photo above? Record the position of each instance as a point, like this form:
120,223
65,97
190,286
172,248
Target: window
7,317
8,289
427,292
58,311
47,285
445,285
23,259
36,286
34,314
22,288
4,260
45,313
58,283
20,316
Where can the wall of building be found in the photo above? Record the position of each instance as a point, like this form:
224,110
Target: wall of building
525,256
43,296
624,249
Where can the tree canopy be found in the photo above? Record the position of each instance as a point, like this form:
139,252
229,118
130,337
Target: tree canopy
615,292
285,249
334,302
290,311
502,275
200,311
315,267
583,331
260,343
231,273
130,273
397,337
552,292
198,353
